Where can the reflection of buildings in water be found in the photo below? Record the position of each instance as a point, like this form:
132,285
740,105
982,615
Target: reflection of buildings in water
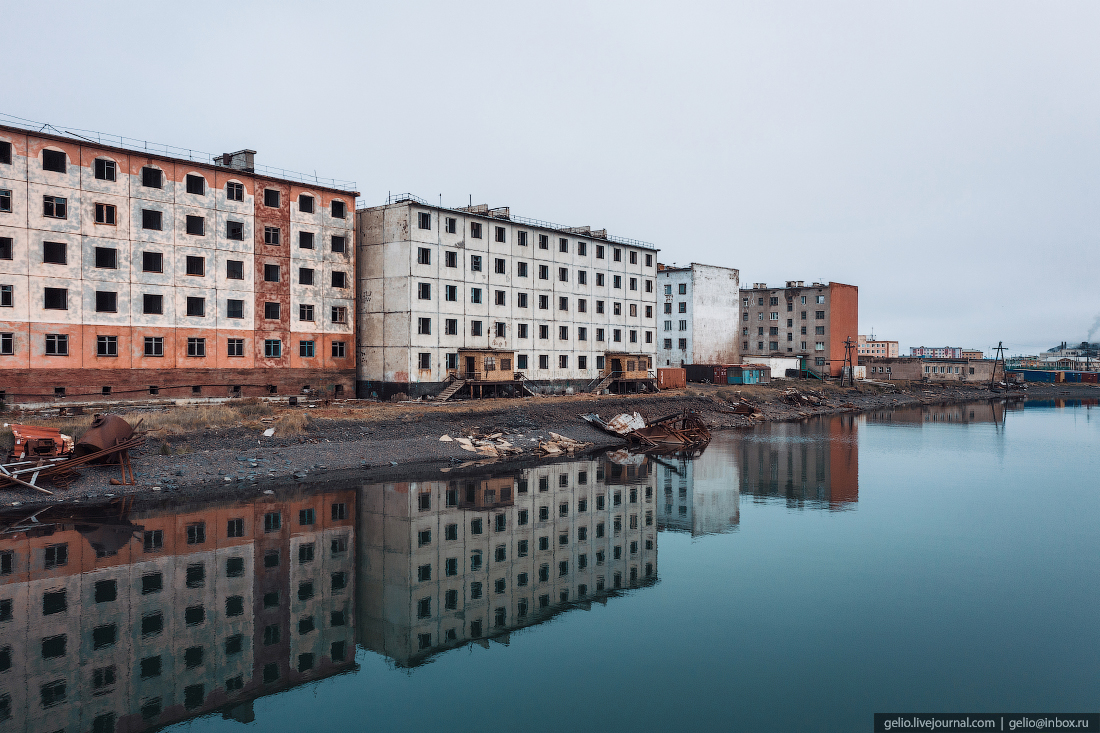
700,495
188,610
961,413
445,563
809,463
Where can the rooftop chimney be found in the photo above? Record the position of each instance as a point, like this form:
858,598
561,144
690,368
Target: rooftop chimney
242,160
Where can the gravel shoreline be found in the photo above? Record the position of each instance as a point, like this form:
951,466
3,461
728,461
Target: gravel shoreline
401,441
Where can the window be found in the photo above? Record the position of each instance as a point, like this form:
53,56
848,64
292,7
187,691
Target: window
339,314
273,348
272,198
106,345
338,243
819,315
563,303
54,160
819,330
54,207
521,361
563,333
106,258
56,299
475,230
272,235
451,225
196,266
305,240
616,281
450,327
234,191
57,344
105,214
475,263
305,312
819,346
633,282
544,332
599,335
105,170
339,349
500,266
196,347
339,210
424,291
196,307
501,330
582,333
499,234
7,348
195,184
5,153
151,219
475,328
6,248
424,326
306,348
544,272
234,270
544,241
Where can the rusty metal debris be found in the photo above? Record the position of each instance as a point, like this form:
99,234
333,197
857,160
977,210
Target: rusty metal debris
36,442
108,441
682,430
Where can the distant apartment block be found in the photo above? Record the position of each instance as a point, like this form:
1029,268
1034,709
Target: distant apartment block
811,322
936,352
439,289
126,273
973,354
870,346
698,306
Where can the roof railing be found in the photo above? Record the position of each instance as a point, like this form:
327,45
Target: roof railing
400,198
171,151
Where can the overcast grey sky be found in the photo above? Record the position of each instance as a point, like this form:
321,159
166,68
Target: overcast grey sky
943,156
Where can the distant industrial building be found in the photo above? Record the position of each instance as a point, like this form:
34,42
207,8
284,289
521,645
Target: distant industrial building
126,272
929,369
699,306
871,346
809,321
973,354
478,296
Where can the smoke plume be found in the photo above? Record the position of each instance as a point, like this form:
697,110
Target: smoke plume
1095,327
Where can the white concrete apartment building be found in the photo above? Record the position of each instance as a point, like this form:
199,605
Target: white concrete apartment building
434,281
446,563
699,315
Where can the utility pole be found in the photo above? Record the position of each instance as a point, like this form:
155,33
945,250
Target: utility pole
848,347
999,360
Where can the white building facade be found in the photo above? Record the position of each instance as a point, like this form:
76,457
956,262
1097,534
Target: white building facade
433,281
699,314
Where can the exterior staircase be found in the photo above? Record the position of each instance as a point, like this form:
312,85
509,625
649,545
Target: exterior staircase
450,390
602,384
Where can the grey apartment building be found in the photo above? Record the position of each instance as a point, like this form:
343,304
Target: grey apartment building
435,281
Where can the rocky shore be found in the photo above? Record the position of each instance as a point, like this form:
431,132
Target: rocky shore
401,441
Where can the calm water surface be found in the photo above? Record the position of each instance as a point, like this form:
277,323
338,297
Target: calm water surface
797,577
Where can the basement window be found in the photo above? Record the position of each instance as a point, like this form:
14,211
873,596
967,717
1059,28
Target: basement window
154,390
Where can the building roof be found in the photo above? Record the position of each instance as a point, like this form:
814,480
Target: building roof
504,213
160,151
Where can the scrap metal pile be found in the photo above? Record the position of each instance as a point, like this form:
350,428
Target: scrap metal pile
684,430
44,454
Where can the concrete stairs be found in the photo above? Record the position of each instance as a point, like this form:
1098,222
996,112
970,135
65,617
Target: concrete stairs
450,390
603,384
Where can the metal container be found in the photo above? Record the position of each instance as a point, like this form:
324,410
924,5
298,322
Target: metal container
712,373
671,378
